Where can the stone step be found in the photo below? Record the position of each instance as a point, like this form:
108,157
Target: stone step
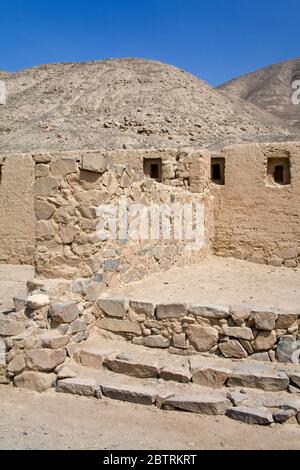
260,376
213,372
249,405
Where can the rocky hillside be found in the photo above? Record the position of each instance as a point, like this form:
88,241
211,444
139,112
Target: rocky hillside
124,103
270,88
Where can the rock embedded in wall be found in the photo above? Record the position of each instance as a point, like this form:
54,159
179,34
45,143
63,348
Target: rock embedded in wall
64,312
202,338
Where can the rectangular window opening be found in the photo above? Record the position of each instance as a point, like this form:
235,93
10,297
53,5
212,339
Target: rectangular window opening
278,172
218,170
153,168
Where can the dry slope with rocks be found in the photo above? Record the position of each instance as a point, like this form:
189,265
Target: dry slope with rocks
124,103
270,88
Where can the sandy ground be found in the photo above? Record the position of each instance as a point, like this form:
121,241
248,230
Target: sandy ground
13,281
29,420
224,281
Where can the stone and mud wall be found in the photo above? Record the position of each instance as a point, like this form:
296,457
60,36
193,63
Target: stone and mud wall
69,189
185,329
255,218
186,167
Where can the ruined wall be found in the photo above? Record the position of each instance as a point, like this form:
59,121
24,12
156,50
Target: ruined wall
184,167
256,219
17,220
69,188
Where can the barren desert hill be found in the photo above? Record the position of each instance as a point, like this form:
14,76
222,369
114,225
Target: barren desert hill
270,88
4,74
126,103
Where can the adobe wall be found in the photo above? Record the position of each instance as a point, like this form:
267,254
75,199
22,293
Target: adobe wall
256,220
17,219
68,189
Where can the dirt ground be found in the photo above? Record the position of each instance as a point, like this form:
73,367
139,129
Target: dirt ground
29,420
222,281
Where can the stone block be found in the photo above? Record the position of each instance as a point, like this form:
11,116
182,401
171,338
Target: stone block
143,308
264,320
264,341
54,340
118,326
202,338
64,312
63,167
209,311
94,162
37,301
43,210
288,350
285,320
91,358
251,415
239,314
237,332
141,366
258,376
37,381
83,386
17,364
233,349
179,340
170,311
138,394
156,341
10,327
45,187
200,403
209,372
45,360
77,326
177,370
113,307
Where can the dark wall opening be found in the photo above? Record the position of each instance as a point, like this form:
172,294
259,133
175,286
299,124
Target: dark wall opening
153,168
218,170
279,171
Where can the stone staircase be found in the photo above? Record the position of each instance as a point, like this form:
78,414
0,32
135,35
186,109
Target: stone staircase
249,391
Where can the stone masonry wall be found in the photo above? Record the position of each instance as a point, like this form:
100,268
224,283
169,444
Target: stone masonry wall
254,219
69,188
186,328
184,167
17,219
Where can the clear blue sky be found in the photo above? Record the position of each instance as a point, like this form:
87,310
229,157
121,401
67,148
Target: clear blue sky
215,40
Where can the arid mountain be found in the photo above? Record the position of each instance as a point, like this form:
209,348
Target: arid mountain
271,89
124,103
